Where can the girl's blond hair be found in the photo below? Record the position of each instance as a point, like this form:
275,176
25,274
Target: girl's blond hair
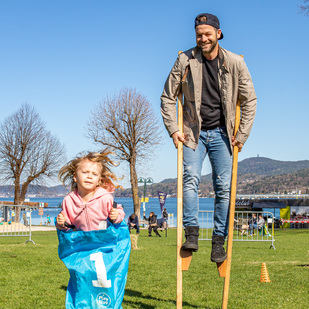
108,178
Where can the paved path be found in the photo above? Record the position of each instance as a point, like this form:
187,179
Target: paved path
19,227
35,228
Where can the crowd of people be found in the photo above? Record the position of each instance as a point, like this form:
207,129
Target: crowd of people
153,222
254,224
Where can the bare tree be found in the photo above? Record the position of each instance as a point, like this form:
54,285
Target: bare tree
304,7
127,123
28,152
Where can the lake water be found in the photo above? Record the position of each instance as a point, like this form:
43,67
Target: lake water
127,203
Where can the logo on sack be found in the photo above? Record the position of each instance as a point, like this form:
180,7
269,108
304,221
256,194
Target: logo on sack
103,300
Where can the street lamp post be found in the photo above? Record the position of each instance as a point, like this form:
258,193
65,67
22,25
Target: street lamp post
145,181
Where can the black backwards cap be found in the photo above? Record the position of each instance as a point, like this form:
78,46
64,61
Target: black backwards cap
211,20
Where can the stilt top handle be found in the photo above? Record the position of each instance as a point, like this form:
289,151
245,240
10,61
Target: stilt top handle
180,111
237,115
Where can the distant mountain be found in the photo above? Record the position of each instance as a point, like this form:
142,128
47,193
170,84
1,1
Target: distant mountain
295,182
263,167
35,190
268,167
256,175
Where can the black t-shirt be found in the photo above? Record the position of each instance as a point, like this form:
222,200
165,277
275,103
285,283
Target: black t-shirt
211,108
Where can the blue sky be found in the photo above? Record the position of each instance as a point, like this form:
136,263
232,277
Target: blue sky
64,57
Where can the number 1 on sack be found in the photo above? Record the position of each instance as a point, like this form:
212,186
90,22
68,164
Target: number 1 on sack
100,270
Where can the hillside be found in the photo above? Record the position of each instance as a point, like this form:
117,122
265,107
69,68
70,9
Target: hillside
277,184
256,175
35,190
268,167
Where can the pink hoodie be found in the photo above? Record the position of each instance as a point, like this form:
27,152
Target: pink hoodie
86,217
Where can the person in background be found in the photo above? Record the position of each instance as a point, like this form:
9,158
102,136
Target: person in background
133,223
13,215
165,214
25,219
165,219
153,225
261,222
252,224
48,219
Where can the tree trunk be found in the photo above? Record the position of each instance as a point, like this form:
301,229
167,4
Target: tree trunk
24,189
134,187
17,199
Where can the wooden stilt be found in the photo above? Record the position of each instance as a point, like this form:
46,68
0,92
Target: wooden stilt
183,257
179,206
225,267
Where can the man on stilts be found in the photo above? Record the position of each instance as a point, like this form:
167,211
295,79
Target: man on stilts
211,79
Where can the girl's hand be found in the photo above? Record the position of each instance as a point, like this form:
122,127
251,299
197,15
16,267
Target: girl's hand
113,214
61,219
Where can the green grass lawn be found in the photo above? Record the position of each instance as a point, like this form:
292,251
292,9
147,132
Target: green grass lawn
32,276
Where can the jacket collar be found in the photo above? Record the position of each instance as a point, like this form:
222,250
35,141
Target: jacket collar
197,54
222,63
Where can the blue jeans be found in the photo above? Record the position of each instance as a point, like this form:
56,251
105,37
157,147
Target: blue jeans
216,144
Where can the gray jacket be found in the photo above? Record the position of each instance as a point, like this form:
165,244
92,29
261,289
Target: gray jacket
234,83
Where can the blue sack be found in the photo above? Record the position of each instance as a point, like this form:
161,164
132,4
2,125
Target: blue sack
98,264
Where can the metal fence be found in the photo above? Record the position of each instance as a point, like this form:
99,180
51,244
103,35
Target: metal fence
245,229
15,220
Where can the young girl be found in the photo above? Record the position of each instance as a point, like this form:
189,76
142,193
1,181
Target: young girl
91,200
97,254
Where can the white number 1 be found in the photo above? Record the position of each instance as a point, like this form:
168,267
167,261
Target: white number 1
100,270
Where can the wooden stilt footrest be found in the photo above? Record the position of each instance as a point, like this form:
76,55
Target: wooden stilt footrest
222,269
186,257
